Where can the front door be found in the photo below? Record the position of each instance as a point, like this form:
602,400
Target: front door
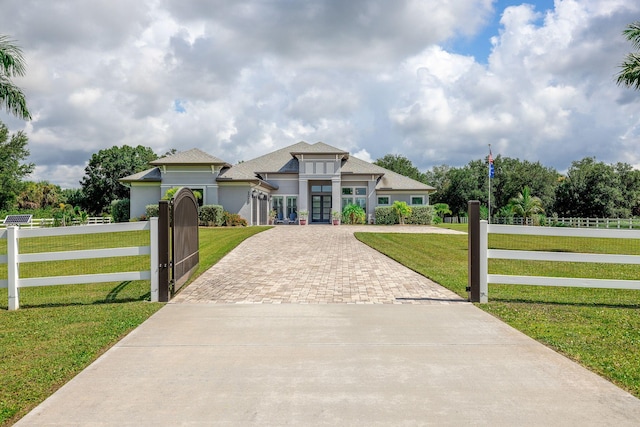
320,208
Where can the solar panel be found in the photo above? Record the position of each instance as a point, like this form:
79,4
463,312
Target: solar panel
17,219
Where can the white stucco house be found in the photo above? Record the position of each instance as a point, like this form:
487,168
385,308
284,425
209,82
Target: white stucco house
316,178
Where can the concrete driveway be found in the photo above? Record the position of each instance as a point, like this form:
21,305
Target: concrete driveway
330,354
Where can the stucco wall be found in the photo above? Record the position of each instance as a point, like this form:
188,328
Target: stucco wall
141,196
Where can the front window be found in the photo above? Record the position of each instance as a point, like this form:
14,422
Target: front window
277,204
383,200
354,196
292,208
417,200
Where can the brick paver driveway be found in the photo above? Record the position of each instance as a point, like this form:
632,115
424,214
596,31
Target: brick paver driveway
316,264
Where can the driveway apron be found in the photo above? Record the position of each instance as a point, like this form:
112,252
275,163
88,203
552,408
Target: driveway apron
305,326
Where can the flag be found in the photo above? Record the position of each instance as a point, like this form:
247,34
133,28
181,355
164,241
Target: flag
491,170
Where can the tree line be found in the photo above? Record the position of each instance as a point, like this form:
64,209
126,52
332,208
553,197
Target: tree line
589,188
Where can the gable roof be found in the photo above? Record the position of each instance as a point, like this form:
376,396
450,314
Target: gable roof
190,157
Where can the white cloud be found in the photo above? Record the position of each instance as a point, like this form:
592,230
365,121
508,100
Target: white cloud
370,77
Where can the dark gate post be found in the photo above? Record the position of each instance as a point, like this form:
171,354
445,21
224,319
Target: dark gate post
163,251
473,287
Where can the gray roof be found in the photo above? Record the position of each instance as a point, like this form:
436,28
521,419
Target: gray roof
278,161
149,175
285,161
392,181
190,157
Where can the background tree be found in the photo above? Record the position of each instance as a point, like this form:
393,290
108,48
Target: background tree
463,184
437,177
590,189
629,74
13,153
628,180
12,65
100,184
402,165
526,205
39,195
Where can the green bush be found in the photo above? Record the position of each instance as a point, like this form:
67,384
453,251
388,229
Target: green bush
353,214
120,210
385,215
151,211
422,215
233,220
212,215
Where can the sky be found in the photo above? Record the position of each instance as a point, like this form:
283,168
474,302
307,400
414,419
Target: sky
436,81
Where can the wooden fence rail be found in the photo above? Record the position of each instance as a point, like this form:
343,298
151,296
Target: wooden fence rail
14,257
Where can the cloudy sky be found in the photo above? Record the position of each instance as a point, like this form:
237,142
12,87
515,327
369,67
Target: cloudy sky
433,80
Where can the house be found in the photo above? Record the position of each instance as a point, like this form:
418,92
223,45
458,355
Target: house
316,178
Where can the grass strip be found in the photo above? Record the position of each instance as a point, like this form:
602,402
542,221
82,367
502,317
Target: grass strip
599,328
60,330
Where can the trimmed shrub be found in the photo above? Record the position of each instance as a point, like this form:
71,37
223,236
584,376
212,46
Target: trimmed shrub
386,215
422,215
120,210
211,215
233,220
151,211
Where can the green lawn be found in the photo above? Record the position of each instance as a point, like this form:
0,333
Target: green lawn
59,330
600,328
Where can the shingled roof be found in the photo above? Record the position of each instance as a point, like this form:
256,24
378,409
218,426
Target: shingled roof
190,157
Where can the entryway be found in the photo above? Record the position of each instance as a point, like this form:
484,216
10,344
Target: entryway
320,209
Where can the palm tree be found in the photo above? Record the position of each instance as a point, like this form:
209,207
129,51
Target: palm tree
12,65
526,205
630,69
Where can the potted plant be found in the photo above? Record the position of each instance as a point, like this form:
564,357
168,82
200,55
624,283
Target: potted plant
272,216
303,217
336,215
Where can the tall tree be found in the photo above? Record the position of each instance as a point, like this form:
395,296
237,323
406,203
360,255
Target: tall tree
629,74
400,164
13,153
12,65
101,185
590,189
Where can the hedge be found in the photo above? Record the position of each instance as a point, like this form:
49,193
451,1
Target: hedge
422,215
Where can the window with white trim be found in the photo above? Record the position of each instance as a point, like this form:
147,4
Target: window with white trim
383,200
417,200
354,196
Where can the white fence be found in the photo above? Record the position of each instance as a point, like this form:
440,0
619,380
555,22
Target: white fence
629,223
486,253
50,222
14,258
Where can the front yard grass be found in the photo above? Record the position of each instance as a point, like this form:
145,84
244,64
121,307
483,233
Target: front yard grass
60,330
599,328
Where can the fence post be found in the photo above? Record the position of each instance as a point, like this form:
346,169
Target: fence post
473,287
484,262
155,262
163,252
12,268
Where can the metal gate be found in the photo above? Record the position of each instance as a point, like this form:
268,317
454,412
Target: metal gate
178,242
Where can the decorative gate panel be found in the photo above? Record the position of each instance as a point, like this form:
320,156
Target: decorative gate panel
178,242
